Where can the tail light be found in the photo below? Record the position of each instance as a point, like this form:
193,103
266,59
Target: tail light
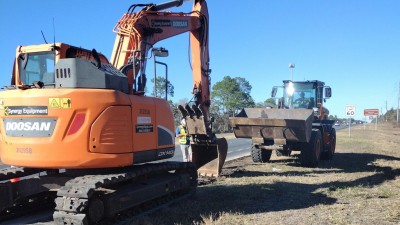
77,123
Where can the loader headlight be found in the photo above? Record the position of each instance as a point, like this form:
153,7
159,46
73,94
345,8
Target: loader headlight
290,89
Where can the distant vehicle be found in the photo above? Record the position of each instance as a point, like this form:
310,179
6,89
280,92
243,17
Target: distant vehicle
337,123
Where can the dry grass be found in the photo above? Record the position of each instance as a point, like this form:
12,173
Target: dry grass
361,185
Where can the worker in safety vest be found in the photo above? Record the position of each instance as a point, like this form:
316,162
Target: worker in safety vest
184,141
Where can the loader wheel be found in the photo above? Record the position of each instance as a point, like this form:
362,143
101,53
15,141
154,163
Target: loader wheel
310,153
330,148
260,155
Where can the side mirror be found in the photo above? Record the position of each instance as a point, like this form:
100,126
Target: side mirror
160,52
273,92
328,92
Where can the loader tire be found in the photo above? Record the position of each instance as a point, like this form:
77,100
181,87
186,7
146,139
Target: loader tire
330,147
311,151
260,155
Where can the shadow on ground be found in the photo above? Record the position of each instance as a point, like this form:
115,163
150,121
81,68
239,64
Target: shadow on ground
279,196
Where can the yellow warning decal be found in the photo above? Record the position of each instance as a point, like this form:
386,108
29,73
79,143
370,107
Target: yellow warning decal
60,103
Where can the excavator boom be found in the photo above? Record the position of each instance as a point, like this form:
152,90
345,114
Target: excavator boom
137,32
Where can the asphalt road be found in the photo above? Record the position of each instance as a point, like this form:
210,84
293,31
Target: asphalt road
237,147
340,127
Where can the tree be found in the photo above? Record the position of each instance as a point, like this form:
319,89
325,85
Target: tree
175,110
332,117
228,97
268,103
391,115
231,95
160,87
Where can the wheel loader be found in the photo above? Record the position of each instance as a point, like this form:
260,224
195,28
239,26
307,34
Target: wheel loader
82,137
299,123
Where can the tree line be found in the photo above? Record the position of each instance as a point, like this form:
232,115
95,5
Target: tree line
228,97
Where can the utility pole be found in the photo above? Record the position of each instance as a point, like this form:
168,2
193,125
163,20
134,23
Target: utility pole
398,101
386,105
291,66
386,112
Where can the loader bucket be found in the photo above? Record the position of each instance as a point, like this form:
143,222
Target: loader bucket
209,158
279,125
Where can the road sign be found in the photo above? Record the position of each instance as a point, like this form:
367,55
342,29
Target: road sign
350,110
371,112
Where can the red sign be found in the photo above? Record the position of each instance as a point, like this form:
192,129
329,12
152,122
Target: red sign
371,112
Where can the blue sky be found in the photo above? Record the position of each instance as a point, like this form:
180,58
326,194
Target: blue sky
351,45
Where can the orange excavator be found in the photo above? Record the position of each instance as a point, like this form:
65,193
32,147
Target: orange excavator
80,134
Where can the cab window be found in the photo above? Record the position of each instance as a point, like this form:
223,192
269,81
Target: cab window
36,67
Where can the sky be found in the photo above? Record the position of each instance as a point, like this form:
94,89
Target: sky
351,45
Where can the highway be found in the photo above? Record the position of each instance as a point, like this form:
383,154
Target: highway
237,147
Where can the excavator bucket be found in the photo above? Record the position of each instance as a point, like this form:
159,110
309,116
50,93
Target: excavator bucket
209,158
279,125
208,152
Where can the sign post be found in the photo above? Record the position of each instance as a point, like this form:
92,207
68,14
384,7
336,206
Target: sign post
372,112
350,112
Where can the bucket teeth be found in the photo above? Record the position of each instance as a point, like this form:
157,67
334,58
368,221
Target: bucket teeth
183,111
197,111
190,111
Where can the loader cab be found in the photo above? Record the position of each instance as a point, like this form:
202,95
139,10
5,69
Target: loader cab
304,94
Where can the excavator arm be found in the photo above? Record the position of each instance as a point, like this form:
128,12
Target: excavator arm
137,32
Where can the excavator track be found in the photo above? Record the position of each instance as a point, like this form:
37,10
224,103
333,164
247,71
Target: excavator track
23,205
101,197
16,172
97,198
